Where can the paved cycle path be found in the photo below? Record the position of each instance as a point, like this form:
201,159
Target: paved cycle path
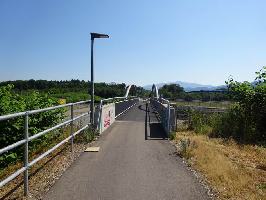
135,162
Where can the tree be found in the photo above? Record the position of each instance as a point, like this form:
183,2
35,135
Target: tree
171,91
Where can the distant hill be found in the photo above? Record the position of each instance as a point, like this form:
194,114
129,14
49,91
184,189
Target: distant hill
188,86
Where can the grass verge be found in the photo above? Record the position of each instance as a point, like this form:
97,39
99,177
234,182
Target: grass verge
234,171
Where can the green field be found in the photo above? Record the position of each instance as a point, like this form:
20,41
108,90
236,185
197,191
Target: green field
216,104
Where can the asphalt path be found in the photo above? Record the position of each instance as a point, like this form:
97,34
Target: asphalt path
135,162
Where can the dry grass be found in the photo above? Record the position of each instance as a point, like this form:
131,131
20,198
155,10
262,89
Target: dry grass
235,171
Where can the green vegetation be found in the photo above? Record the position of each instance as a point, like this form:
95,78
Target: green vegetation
171,91
73,90
202,123
245,120
175,92
13,130
18,96
172,135
205,96
217,104
87,136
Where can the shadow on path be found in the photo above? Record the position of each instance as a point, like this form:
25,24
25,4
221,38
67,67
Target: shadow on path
140,107
154,129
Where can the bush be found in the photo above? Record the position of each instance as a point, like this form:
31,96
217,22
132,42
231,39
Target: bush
202,123
172,136
245,121
12,130
250,112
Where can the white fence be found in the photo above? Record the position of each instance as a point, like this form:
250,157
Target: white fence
166,113
113,109
27,139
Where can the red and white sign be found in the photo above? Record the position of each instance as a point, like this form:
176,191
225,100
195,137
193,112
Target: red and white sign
108,116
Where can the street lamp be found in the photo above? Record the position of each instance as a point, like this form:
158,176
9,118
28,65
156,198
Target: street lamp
93,35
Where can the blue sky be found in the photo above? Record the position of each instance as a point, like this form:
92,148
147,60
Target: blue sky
200,41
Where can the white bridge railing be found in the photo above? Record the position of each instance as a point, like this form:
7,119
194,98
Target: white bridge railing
27,139
111,108
166,113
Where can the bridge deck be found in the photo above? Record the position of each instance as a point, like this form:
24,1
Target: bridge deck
128,166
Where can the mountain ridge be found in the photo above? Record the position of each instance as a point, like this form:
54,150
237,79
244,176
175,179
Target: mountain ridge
187,86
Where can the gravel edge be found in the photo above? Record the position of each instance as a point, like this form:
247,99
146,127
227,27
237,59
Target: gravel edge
212,193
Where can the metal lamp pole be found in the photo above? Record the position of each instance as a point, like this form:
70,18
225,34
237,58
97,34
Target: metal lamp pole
93,35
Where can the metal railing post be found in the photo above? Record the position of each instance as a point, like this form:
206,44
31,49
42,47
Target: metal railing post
26,154
100,117
168,120
72,126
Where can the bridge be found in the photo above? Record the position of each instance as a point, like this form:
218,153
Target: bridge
135,161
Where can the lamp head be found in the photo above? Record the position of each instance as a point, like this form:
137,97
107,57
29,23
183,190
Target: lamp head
98,35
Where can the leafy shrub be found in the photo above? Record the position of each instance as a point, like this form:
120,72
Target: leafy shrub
202,123
250,112
172,136
245,121
12,130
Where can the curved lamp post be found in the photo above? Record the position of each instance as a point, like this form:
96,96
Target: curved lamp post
93,35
